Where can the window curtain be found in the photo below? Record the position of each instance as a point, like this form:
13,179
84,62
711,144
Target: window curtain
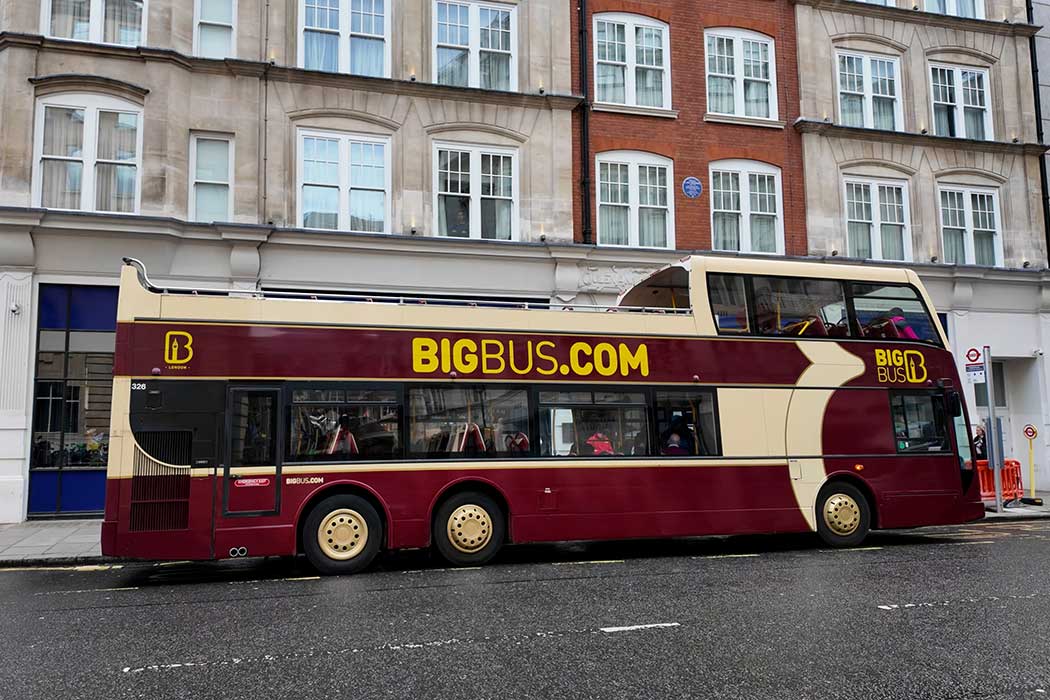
70,19
966,8
720,95
114,181
937,6
366,56
944,120
763,233
649,87
496,221
756,98
367,210
495,70
320,207
611,83
859,234
614,226
984,247
211,197
883,113
954,246
122,22
215,41
652,227
321,51
974,123
892,242
453,66
727,231
454,216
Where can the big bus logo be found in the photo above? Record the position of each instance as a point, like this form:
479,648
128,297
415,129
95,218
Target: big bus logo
178,347
900,366
491,356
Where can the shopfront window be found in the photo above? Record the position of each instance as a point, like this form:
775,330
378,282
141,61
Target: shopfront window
74,385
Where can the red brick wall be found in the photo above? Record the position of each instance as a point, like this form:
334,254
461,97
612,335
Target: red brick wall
690,141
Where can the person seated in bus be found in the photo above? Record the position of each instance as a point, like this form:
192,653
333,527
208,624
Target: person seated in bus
673,446
599,443
900,322
640,444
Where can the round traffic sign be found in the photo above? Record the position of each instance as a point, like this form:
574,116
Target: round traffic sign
1030,432
973,354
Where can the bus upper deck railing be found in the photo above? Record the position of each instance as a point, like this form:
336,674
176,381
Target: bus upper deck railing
397,300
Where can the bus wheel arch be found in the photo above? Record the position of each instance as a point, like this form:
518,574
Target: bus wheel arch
337,488
469,522
863,486
844,512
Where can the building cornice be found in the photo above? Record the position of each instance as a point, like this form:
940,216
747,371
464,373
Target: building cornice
261,69
63,82
830,129
930,19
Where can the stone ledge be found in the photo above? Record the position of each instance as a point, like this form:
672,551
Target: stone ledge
830,129
932,19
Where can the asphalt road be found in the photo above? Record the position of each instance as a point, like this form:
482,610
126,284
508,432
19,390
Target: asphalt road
955,613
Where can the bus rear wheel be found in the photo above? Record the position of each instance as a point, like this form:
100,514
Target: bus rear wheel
468,529
342,535
843,515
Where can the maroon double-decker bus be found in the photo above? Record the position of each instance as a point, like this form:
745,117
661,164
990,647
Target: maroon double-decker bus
720,396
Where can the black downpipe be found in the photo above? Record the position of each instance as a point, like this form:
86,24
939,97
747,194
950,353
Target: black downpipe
585,126
1039,131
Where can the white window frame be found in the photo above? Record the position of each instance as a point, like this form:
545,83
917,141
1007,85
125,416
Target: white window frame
632,22
876,214
476,151
960,107
197,22
738,37
634,159
745,168
474,48
92,104
193,181
96,29
868,92
344,36
343,213
969,244
951,8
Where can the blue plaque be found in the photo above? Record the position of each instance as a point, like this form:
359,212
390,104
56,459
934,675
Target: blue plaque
692,187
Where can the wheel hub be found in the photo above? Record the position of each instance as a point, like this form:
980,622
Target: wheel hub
469,528
841,514
343,534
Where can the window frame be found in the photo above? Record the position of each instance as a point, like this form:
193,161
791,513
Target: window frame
951,9
959,104
476,151
96,28
91,104
473,48
744,168
631,22
876,214
343,216
738,36
196,136
948,434
969,240
197,22
868,94
633,160
345,35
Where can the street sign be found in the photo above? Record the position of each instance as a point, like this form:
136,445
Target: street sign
973,355
692,187
975,373
1030,432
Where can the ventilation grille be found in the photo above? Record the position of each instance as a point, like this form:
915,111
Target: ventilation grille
160,481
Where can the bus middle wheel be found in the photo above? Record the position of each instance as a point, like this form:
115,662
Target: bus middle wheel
468,529
843,515
342,534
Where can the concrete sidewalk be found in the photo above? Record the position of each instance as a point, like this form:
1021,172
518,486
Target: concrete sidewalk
77,541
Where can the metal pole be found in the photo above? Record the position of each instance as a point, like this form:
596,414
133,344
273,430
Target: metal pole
990,431
1031,467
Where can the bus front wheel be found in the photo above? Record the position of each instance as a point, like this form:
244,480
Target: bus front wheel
843,515
342,534
468,529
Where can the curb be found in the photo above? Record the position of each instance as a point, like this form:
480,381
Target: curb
58,561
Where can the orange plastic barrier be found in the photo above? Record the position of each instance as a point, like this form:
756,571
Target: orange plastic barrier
1013,490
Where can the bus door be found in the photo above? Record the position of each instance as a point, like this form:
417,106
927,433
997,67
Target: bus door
252,470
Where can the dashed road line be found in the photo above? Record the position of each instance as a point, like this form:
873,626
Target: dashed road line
635,628
725,556
594,561
89,590
81,567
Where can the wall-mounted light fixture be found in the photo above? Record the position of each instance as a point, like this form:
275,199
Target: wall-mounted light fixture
15,308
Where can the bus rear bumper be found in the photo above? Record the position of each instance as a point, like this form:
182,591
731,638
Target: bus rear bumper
920,510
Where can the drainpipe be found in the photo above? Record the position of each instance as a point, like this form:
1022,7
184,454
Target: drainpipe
1039,129
585,126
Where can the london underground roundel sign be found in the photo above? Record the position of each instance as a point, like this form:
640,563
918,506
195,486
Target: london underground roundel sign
973,355
1030,432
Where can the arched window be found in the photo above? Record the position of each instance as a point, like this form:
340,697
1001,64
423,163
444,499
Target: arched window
746,207
741,74
632,61
635,199
87,153
878,221
970,225
869,91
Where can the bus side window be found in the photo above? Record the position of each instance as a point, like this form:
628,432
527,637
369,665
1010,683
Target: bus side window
892,312
585,423
685,423
796,306
919,422
728,303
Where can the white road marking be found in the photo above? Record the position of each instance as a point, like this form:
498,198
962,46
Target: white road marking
724,556
853,549
961,544
302,578
632,628
961,601
82,567
89,590
580,563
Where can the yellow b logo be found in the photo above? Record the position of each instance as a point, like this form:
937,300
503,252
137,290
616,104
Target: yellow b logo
915,365
178,347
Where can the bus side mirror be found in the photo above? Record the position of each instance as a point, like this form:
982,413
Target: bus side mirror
954,404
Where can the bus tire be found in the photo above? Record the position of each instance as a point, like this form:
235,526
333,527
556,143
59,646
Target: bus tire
468,529
843,515
342,535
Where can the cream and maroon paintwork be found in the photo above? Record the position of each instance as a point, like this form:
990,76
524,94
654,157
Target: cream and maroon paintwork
792,414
